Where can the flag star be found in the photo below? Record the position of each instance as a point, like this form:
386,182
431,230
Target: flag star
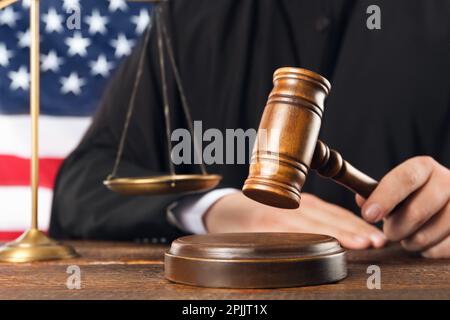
51,61
96,22
20,79
101,67
5,55
114,5
71,4
9,17
24,38
72,83
122,45
53,21
26,3
141,21
78,45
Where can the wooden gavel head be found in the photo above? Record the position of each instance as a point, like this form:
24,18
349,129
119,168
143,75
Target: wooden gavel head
287,137
288,146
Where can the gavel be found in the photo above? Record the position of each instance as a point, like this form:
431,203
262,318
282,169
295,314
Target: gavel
288,147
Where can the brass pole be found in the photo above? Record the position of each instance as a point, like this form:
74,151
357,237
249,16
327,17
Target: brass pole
34,105
33,244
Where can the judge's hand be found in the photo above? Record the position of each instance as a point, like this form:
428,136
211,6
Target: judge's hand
414,201
237,213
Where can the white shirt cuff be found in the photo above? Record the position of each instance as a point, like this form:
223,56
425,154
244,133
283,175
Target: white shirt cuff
187,214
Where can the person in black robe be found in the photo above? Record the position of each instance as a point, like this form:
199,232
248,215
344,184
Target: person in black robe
390,102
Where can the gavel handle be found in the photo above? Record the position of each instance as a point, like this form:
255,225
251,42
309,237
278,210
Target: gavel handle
330,164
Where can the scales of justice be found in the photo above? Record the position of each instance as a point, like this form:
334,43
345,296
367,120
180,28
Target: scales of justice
34,245
277,173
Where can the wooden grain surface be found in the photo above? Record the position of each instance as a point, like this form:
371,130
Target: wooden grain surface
135,271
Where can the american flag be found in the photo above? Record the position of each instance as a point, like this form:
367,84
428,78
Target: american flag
78,55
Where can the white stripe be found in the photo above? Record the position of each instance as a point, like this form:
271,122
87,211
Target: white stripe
58,136
15,208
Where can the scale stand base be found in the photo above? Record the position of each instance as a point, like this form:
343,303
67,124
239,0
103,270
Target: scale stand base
34,245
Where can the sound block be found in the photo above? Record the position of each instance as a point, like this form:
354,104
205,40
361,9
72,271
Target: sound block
255,260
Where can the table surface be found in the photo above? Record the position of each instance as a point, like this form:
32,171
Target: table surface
136,271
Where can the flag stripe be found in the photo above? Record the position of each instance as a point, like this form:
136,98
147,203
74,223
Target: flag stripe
58,136
15,208
15,171
9,235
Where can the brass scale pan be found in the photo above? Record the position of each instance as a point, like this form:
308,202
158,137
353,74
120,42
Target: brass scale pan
171,183
163,184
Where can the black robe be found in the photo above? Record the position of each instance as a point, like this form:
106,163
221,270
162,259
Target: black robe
390,99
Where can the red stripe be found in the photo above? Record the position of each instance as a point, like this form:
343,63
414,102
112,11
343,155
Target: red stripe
15,171
10,235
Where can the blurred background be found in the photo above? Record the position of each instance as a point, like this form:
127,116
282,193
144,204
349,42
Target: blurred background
82,43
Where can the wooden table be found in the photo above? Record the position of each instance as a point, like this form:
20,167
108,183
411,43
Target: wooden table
135,271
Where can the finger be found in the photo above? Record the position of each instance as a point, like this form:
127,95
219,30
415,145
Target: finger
352,241
359,200
306,220
417,209
349,222
317,221
439,251
396,186
346,239
433,232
